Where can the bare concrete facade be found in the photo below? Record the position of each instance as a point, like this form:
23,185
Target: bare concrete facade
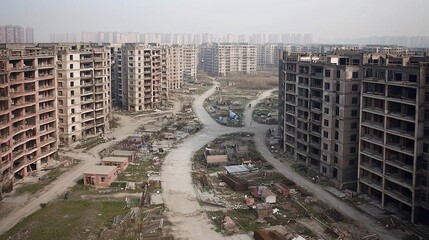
84,100
175,66
394,130
144,76
266,55
319,112
116,75
28,114
220,59
190,62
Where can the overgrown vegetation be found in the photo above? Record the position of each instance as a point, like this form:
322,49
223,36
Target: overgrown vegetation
257,81
89,143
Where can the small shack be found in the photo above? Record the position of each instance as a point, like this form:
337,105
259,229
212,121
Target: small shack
124,153
100,176
282,189
263,193
237,184
216,160
120,162
263,210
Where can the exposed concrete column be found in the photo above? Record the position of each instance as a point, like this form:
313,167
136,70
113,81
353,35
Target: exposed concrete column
38,164
24,171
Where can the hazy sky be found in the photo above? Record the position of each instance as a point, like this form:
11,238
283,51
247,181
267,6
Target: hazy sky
326,19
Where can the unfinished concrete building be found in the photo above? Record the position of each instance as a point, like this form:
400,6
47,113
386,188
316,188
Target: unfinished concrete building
116,75
174,66
220,59
394,130
319,113
190,62
266,55
144,76
84,101
28,115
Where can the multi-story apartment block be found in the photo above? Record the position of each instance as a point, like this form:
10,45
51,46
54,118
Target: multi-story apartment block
220,59
144,76
266,55
84,101
116,73
28,114
190,62
394,130
174,66
29,35
12,34
319,112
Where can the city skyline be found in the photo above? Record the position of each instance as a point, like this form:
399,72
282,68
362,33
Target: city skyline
322,20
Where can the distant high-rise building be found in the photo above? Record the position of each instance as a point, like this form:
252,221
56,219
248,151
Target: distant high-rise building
2,34
220,59
266,55
190,62
29,35
10,37
174,66
12,34
18,34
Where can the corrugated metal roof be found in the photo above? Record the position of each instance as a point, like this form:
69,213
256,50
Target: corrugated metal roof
237,169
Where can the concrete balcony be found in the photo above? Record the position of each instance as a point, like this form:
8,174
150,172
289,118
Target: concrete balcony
371,183
47,141
375,125
372,168
86,76
401,132
372,139
374,110
46,86
397,179
46,152
398,164
398,196
400,148
43,98
372,154
18,153
47,120
45,76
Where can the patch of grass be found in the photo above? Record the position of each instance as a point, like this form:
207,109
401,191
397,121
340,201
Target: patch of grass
133,173
245,218
35,187
90,143
67,220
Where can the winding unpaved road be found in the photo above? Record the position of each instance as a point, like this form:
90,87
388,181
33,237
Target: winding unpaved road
188,217
70,178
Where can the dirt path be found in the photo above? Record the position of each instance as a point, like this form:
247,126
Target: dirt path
188,218
68,179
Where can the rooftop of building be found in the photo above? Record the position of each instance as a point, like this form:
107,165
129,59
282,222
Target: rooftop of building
118,159
123,153
100,170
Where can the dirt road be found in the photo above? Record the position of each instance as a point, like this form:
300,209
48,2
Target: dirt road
188,218
59,187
